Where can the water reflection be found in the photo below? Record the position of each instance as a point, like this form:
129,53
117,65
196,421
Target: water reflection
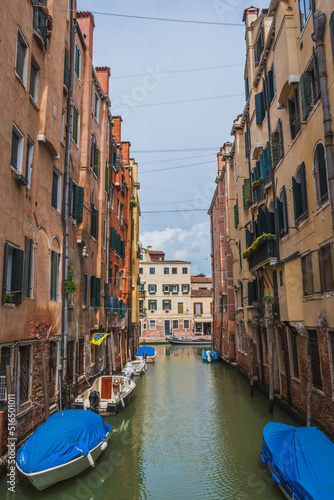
191,431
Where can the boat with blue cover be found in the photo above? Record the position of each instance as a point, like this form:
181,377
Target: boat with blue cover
147,353
301,460
69,442
209,356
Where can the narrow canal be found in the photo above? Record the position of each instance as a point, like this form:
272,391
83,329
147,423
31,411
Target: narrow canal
191,431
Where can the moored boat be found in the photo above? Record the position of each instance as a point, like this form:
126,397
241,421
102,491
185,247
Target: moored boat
139,366
301,460
190,341
209,356
107,395
146,353
128,370
69,442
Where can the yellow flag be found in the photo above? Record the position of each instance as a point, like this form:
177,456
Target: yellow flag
97,338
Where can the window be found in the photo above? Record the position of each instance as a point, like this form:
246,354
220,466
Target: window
271,84
180,307
315,359
294,114
118,208
184,270
246,88
294,355
67,68
260,107
4,361
277,145
174,288
141,305
300,195
152,270
120,280
152,305
29,156
174,270
55,276
309,87
94,221
152,324
21,58
320,174
282,210
76,201
107,178
16,158
76,124
167,305
24,356
307,274
95,291
96,106
166,270
77,64
95,156
175,324
241,338
142,287
85,290
198,308
186,324
141,270
152,288
258,46
304,11
166,288
56,190
34,80
62,131
28,273
12,279
112,198
326,268
121,220
185,288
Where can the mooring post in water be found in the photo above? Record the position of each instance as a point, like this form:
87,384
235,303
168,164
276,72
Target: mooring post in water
251,360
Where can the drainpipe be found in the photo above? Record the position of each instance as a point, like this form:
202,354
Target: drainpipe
64,324
319,23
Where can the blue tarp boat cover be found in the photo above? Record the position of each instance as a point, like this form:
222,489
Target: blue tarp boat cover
65,435
302,458
214,356
150,351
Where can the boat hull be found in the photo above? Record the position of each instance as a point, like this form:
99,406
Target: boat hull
44,479
196,342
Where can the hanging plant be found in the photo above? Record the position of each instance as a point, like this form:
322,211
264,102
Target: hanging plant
70,286
266,236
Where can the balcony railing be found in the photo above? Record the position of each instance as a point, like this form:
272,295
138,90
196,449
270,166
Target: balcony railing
266,251
40,23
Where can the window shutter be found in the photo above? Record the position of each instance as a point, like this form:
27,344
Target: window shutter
170,305
251,292
5,271
107,178
194,309
279,206
316,74
54,272
261,222
236,214
249,239
285,210
94,221
270,221
322,173
297,199
246,88
246,144
259,107
155,305
111,303
66,68
270,86
97,291
306,94
201,307
28,252
266,165
331,28
246,194
54,196
303,188
78,198
117,164
274,149
280,139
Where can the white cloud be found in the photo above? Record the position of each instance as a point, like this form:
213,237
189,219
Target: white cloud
191,244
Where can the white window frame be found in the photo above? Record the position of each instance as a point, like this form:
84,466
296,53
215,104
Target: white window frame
78,126
152,288
185,288
151,323
34,66
20,136
58,174
175,288
29,159
22,39
96,106
77,51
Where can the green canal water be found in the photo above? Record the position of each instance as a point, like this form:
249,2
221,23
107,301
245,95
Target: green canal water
190,431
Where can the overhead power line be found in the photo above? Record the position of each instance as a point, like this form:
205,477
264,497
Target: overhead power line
173,168
167,72
147,18
183,100
175,211
216,148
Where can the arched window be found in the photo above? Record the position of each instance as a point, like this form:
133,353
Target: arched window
320,174
300,194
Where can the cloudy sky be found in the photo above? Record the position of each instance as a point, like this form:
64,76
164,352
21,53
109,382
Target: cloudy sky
178,87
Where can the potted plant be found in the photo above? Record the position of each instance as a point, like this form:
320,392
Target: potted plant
9,298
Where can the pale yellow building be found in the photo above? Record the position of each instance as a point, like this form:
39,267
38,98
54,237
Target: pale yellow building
201,300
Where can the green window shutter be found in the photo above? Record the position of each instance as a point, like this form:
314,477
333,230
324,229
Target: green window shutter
94,221
248,238
236,214
78,198
316,74
279,206
274,149
170,305
5,271
259,108
306,94
261,222
270,86
75,124
269,221
246,194
54,195
17,275
155,305
323,185
107,178
54,273
297,199
280,139
285,210
106,295
303,188
331,28
246,143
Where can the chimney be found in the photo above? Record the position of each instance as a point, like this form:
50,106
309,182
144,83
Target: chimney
103,75
250,15
87,25
126,152
116,130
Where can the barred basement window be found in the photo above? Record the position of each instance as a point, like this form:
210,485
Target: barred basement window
175,324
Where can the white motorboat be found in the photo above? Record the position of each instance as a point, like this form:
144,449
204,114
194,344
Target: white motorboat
69,442
128,370
107,395
139,366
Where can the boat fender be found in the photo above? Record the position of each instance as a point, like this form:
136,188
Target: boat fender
90,460
122,401
276,479
104,445
263,460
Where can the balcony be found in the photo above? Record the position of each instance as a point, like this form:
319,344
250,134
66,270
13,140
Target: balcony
265,253
42,23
